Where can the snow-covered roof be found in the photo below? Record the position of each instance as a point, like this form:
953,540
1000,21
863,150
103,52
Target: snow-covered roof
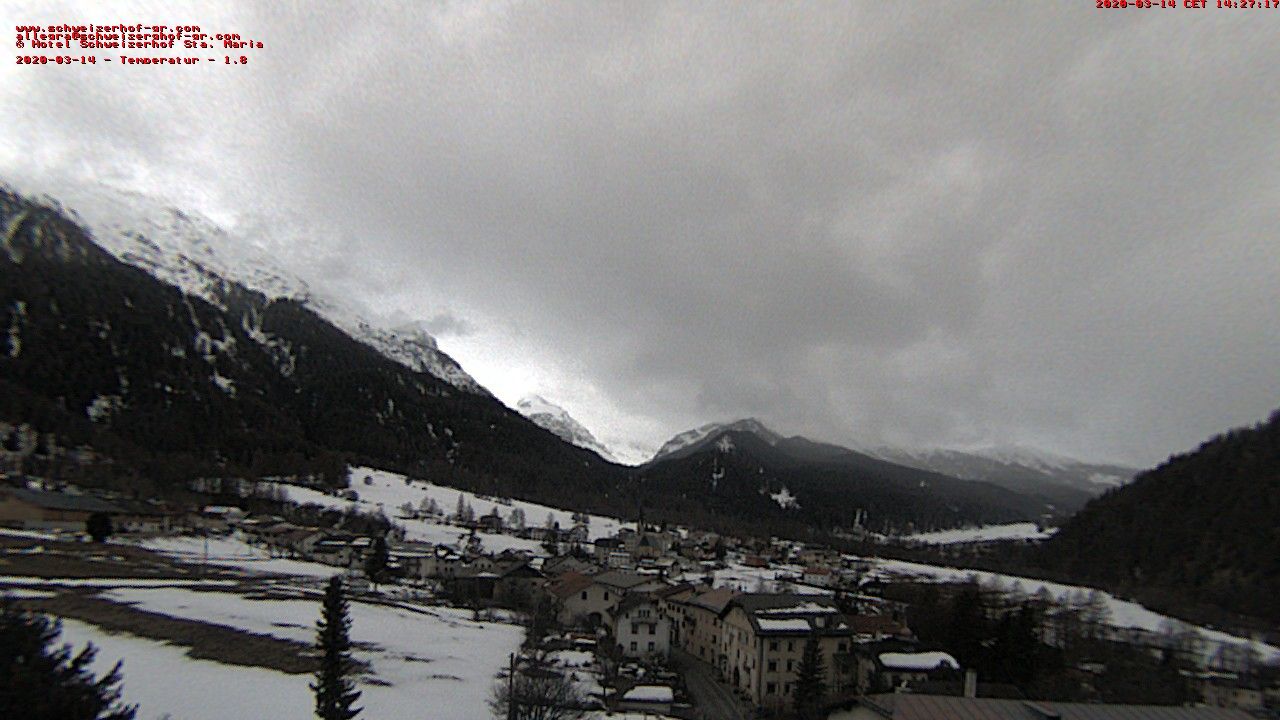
650,693
808,608
787,625
918,661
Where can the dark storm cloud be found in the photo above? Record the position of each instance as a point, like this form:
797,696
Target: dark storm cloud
924,223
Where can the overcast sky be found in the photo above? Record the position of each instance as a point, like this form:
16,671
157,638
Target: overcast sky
919,223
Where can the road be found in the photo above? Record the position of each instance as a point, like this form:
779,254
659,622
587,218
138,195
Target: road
714,700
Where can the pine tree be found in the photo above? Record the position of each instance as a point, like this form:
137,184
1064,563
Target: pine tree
42,681
811,684
99,526
460,513
376,564
334,689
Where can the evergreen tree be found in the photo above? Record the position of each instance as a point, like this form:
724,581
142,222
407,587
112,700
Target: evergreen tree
551,545
376,564
459,514
42,681
811,683
99,526
334,689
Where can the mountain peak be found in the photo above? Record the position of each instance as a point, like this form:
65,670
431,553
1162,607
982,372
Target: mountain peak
698,436
193,253
555,419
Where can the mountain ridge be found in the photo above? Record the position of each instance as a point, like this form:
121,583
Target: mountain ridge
1064,482
1199,529
556,419
192,252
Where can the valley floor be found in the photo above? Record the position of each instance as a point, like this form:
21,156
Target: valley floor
422,659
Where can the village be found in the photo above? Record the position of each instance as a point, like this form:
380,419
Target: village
637,617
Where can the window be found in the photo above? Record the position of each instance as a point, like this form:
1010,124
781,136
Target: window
773,645
653,629
633,645
789,665
773,667
770,688
635,629
790,646
651,645
584,594
844,646
606,594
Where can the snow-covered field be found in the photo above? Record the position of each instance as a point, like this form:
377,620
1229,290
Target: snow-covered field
162,680
387,492
772,579
986,533
437,663
1123,613
28,581
232,552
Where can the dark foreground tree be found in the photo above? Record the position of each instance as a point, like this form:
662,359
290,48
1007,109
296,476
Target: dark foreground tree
40,680
99,526
811,684
334,688
543,695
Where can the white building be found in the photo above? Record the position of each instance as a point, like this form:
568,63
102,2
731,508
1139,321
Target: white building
640,628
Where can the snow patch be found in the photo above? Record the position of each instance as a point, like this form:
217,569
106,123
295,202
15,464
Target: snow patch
986,533
103,406
785,499
918,661
226,385
18,316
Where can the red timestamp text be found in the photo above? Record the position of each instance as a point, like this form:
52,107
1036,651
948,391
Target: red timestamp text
1188,4
56,59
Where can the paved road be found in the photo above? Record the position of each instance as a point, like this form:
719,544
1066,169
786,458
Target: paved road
714,700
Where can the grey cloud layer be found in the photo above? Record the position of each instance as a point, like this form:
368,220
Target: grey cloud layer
923,223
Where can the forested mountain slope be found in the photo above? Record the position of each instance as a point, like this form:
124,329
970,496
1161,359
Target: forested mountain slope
173,384
1201,529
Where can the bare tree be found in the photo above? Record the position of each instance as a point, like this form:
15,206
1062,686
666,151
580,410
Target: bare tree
544,695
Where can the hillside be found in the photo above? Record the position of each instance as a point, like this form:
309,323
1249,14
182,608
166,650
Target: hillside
1198,531
169,383
552,417
743,469
1066,482
171,361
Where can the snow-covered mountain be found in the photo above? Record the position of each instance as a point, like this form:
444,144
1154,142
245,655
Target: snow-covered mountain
692,438
1020,468
629,451
552,417
192,252
1065,483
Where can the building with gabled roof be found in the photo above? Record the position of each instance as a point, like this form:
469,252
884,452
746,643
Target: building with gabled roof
640,627
762,639
45,510
695,619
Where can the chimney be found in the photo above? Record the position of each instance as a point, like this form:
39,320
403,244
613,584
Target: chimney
971,683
